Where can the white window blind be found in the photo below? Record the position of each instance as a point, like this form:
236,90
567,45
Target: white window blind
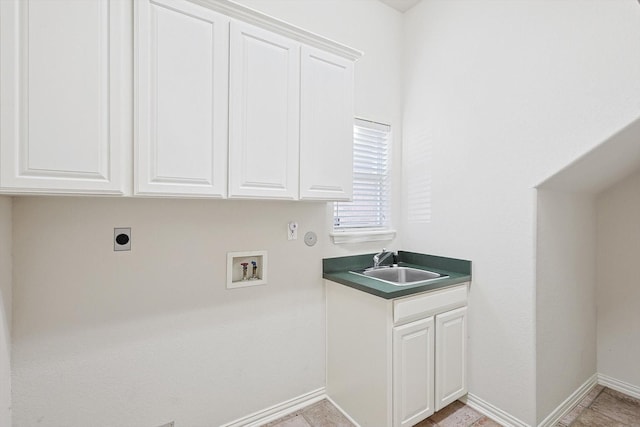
370,208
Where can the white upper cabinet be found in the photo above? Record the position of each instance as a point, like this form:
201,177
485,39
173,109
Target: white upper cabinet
65,91
326,126
264,95
181,99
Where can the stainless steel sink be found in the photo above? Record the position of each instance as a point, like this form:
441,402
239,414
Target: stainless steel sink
400,276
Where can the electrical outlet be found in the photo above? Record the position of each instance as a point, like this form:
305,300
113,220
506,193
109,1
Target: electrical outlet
292,230
122,239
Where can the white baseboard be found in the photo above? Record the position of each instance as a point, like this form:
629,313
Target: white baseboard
493,412
621,386
285,408
570,402
280,410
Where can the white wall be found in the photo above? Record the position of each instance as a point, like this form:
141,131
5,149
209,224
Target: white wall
498,96
5,309
618,280
566,246
565,296
142,338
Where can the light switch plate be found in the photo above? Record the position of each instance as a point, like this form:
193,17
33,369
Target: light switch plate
292,230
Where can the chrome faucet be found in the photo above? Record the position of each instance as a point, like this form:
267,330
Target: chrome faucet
381,256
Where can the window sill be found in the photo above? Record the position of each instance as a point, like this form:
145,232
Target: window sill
340,237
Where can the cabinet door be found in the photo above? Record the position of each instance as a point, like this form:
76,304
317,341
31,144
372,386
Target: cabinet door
451,359
182,82
264,117
326,126
413,368
65,90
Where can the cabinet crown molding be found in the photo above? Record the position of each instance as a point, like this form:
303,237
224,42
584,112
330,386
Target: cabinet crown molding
252,16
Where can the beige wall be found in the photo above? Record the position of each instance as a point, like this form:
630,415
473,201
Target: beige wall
565,296
5,309
498,96
567,245
618,281
150,336
140,338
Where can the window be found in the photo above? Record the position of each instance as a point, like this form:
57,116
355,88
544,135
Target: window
368,213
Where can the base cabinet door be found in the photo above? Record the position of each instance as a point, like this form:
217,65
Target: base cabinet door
65,89
413,372
181,100
451,362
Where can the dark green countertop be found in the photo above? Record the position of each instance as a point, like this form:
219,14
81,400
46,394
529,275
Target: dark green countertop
340,269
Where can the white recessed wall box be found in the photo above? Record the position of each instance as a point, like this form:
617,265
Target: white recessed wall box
246,269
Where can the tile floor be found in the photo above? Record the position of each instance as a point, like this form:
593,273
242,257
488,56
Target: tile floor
604,407
457,415
324,414
600,407
321,414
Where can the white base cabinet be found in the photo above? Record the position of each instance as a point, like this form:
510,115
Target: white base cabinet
393,363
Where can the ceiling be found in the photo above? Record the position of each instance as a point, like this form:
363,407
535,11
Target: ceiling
402,5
